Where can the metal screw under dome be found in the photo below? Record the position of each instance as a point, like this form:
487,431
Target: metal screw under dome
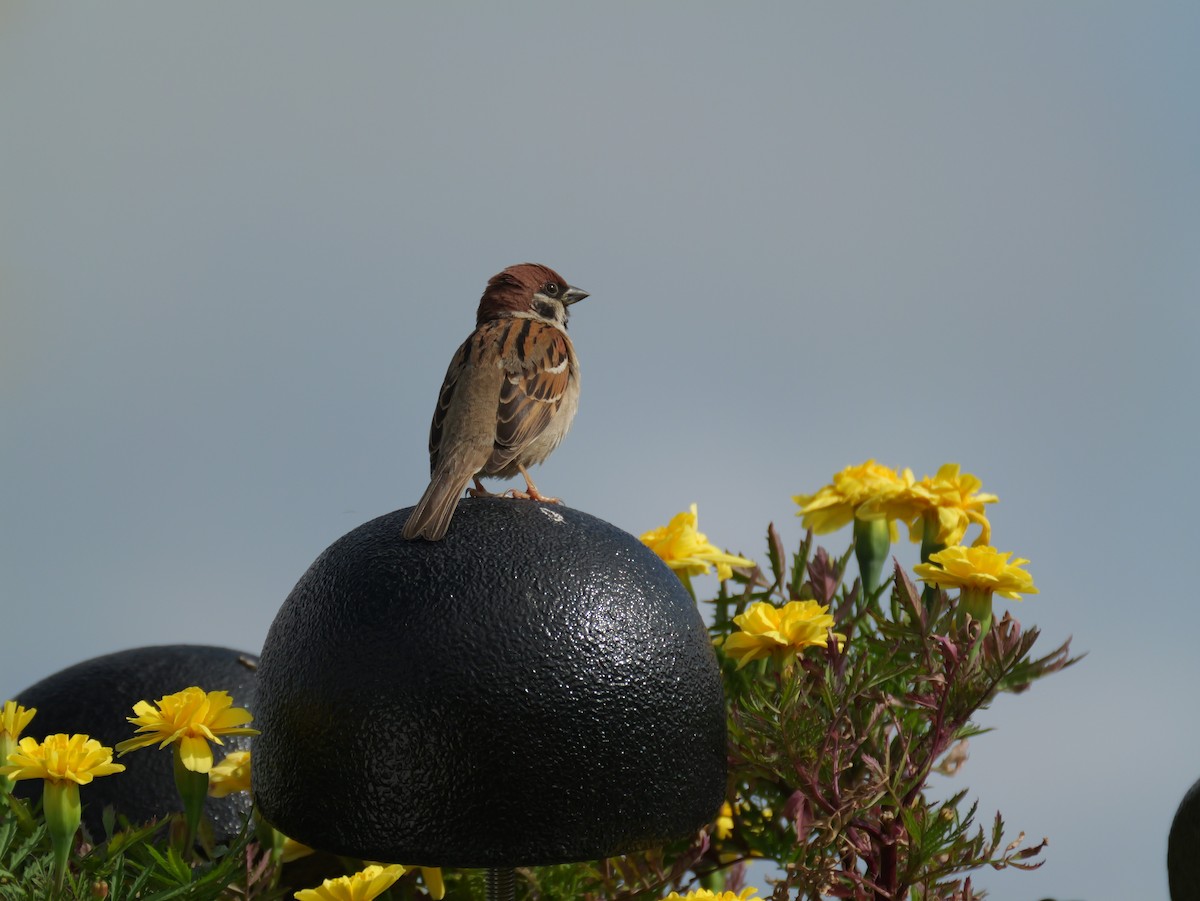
501,884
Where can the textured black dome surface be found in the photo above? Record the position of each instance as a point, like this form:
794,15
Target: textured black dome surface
96,696
1183,848
535,688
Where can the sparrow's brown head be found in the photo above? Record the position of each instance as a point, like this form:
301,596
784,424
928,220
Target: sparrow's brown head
528,289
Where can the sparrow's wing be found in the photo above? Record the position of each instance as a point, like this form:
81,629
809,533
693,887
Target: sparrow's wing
436,429
460,437
536,360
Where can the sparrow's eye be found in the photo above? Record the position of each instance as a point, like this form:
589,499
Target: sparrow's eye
550,289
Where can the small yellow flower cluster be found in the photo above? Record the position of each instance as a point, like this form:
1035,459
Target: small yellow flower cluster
687,550
58,758
937,510
949,502
779,632
189,719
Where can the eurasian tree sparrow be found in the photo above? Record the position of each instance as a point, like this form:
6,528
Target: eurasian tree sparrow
509,395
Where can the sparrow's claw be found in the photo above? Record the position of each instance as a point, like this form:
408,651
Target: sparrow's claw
480,491
532,495
531,492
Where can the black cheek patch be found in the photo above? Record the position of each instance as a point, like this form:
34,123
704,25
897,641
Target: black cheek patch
545,309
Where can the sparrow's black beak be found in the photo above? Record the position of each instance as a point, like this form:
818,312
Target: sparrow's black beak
573,295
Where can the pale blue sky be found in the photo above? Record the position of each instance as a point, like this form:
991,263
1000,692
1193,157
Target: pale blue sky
239,243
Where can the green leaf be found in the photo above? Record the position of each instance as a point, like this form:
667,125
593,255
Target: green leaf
800,566
108,818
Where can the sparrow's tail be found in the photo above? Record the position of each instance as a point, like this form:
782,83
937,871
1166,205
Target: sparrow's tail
434,510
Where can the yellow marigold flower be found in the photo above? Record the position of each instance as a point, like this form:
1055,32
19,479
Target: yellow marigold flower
767,630
364,885
190,719
838,503
61,758
703,894
951,498
13,719
63,762
231,775
979,569
724,821
293,850
687,550
434,884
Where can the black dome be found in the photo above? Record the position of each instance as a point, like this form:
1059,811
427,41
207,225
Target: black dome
535,688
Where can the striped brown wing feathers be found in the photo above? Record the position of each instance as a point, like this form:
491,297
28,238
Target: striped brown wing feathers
443,403
537,367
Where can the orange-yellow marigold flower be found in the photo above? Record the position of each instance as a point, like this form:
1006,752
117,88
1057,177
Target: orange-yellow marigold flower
767,630
838,503
951,499
435,885
979,568
703,894
60,758
723,825
190,719
63,763
364,885
684,548
231,775
293,850
13,719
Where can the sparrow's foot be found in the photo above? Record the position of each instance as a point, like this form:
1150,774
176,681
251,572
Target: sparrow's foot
480,491
531,492
532,495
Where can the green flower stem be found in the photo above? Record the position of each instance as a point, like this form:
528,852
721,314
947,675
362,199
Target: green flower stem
872,542
929,546
8,744
60,805
714,881
193,789
978,603
929,540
